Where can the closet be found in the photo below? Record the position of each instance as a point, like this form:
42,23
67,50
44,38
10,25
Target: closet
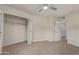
15,29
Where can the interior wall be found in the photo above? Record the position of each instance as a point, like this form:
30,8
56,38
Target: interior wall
73,28
51,28
14,30
40,28
43,28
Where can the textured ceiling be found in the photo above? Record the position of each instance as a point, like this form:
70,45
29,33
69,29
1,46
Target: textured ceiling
62,10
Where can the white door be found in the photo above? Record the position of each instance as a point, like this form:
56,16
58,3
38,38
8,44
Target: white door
1,31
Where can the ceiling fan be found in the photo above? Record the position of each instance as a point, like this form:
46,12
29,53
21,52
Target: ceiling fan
45,7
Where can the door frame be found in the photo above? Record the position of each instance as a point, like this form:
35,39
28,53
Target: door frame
1,31
29,30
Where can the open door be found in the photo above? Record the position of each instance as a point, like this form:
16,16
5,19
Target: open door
1,31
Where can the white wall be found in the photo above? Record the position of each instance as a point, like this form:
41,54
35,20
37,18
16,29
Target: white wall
51,28
14,30
43,28
73,28
40,28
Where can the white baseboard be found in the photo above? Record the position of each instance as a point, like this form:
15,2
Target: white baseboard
44,40
13,43
72,44
39,40
50,40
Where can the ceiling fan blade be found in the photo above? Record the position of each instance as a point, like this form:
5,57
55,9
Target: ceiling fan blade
40,10
45,4
53,8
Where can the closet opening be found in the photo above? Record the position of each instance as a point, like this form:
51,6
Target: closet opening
15,29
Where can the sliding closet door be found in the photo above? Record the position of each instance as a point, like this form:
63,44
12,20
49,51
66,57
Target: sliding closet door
1,31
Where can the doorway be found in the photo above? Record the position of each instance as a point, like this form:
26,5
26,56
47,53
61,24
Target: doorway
60,30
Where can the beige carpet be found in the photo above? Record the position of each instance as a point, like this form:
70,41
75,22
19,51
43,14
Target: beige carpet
41,48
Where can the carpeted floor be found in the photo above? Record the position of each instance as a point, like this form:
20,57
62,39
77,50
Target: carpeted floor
41,48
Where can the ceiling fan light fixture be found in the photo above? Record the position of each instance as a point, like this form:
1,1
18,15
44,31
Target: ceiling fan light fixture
45,7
